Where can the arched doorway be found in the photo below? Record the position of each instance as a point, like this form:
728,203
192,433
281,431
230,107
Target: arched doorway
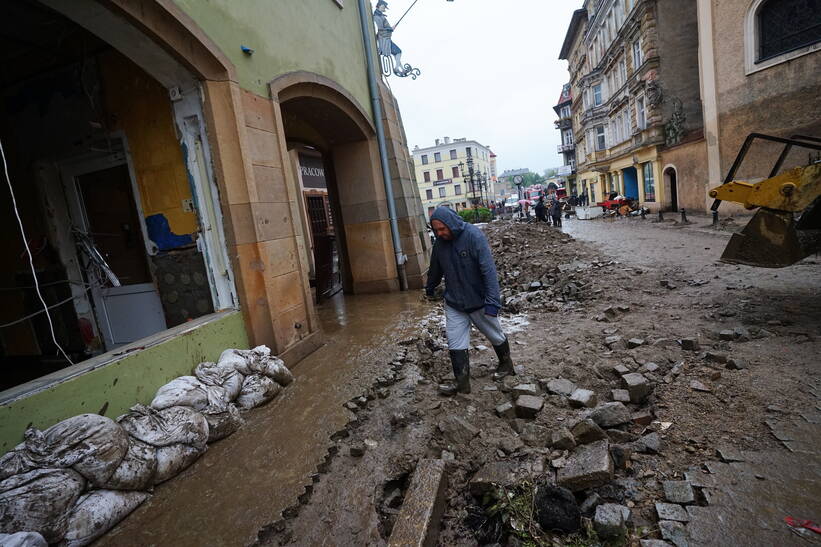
671,187
316,112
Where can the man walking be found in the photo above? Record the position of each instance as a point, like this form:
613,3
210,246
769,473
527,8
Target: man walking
462,255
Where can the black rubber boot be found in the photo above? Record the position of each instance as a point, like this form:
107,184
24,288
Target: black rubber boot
505,367
460,360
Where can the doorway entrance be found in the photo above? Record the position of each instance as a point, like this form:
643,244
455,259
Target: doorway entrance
631,183
671,185
109,236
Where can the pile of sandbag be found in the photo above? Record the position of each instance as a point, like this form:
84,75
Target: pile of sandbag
74,481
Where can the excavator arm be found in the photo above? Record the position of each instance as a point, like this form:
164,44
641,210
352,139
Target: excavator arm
787,226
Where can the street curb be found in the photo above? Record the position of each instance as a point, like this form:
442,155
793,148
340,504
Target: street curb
418,522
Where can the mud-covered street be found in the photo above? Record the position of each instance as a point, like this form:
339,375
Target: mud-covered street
697,381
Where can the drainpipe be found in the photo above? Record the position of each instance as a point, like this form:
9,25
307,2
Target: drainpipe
376,106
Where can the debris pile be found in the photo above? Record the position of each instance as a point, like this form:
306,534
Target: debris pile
74,481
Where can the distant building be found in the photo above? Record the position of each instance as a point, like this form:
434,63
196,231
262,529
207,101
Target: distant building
567,148
441,173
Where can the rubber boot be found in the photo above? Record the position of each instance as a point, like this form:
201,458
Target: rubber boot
505,367
460,360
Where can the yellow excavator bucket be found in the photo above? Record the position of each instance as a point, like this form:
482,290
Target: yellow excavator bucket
774,238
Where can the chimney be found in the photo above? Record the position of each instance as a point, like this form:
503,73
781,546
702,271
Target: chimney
447,140
437,142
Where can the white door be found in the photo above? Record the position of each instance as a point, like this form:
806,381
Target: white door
111,244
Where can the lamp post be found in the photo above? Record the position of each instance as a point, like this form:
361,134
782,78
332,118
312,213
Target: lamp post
471,180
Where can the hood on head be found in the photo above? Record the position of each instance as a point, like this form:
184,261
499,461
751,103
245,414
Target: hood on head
451,219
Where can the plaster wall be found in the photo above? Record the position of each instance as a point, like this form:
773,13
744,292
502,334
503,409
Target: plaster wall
690,162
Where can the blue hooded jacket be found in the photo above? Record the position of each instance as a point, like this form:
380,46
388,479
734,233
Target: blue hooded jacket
466,264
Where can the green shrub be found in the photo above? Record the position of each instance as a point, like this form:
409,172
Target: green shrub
469,215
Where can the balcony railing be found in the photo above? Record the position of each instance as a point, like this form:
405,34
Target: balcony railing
566,147
564,123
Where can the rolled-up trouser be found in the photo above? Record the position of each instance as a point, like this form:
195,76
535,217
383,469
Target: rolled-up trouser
458,327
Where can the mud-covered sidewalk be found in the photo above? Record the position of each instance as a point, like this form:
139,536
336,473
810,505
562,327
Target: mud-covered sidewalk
673,397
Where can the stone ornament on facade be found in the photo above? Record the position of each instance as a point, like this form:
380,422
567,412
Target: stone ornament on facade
654,94
674,128
389,53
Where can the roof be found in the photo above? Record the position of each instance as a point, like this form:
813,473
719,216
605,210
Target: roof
579,17
566,96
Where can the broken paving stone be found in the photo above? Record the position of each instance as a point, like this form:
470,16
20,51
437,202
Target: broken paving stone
643,417
590,503
678,492
352,406
621,456
619,437
726,335
654,543
736,364
583,398
635,342
729,454
650,443
562,439
672,511
587,467
561,386
637,385
506,410
528,406
620,395
621,370
695,385
717,356
587,431
610,414
610,520
649,367
535,435
383,393
690,344
357,450
481,348
361,401
525,389
456,430
667,284
491,476
742,334
674,532
615,342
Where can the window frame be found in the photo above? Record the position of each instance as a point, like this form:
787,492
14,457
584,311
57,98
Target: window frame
443,191
426,176
453,155
429,194
638,54
647,169
641,120
752,44
437,157
457,189
454,171
440,174
600,100
424,159
601,135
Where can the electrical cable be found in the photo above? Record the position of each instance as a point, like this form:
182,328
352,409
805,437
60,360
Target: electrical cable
31,258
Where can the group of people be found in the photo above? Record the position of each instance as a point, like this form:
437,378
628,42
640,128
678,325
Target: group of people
549,210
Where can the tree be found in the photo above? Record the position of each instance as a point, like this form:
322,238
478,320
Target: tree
550,173
532,178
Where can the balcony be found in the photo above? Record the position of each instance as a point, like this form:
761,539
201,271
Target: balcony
566,148
564,123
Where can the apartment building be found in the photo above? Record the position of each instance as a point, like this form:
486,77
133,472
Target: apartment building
442,174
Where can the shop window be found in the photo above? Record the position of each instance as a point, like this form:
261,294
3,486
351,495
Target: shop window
787,25
649,182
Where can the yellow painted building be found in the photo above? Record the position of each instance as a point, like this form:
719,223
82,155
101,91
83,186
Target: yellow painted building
440,169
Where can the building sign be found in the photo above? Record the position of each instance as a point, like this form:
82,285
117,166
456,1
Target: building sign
441,182
312,171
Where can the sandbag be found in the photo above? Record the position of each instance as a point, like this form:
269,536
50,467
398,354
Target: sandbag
97,512
22,539
182,391
256,390
90,444
39,501
222,375
224,423
171,460
257,361
136,471
159,428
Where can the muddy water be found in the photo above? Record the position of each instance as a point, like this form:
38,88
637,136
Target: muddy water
244,482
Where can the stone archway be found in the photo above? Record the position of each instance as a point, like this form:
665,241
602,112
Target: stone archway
671,186
316,110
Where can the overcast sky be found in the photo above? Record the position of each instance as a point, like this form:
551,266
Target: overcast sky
490,72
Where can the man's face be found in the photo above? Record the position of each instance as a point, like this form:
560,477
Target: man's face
382,7
441,230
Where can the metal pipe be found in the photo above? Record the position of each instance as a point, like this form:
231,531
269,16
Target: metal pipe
376,105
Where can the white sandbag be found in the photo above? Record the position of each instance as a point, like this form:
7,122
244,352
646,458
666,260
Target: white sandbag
175,425
240,359
136,471
223,375
39,501
171,460
22,539
182,391
222,424
256,390
275,369
97,512
90,444
258,361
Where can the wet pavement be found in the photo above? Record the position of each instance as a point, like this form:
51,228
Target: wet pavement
243,483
